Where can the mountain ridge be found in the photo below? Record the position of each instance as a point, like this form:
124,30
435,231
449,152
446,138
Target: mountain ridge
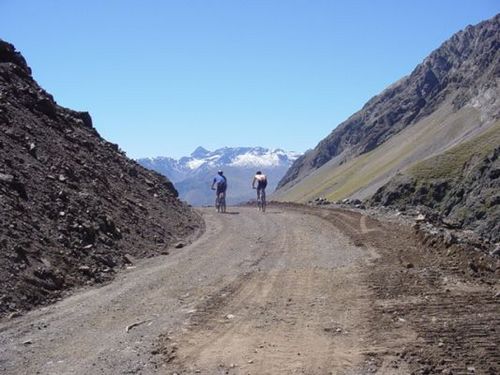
428,143
192,174
414,97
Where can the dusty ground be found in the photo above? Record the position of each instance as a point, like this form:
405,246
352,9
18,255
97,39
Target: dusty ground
295,290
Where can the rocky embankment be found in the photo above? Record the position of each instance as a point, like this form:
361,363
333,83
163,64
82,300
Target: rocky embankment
74,208
469,200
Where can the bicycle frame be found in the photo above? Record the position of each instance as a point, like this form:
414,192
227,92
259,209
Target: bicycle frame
220,202
261,200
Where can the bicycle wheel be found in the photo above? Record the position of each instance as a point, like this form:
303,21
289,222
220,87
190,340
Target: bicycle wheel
222,202
259,199
217,203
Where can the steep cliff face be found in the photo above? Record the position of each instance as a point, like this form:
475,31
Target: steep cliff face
73,207
463,71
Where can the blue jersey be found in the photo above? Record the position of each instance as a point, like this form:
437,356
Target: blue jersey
221,183
219,180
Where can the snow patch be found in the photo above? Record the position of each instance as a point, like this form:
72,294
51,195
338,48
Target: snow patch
202,159
195,163
253,160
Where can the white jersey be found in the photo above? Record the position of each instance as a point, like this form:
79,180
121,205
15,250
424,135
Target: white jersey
261,180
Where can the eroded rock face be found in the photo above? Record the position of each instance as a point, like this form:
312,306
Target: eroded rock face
470,200
465,69
72,204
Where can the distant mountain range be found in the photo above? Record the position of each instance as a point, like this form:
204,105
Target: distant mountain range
192,175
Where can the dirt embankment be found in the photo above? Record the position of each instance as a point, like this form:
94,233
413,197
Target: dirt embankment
459,189
73,207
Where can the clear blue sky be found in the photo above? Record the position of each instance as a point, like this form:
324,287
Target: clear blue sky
162,77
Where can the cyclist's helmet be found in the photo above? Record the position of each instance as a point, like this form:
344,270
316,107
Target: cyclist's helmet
259,172
220,172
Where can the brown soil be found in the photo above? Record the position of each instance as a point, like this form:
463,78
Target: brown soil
434,308
294,290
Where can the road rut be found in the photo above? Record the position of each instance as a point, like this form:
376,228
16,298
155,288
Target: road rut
295,290
260,292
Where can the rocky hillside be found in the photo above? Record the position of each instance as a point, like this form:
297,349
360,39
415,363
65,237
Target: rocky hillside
456,88
192,175
73,207
461,185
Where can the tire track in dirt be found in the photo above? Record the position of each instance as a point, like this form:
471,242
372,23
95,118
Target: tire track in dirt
85,333
286,316
297,290
435,308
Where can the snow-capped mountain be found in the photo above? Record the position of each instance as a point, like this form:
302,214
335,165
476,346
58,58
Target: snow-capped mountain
192,175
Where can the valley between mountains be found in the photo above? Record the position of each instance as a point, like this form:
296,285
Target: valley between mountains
380,252
296,290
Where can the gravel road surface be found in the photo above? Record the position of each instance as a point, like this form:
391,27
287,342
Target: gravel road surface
290,291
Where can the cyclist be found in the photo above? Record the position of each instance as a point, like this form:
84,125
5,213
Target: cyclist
261,180
219,184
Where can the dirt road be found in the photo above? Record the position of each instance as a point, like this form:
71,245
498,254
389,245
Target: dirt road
290,291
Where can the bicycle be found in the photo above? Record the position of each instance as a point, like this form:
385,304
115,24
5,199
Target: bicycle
220,202
261,199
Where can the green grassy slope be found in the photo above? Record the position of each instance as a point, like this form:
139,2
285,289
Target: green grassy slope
451,163
461,184
361,176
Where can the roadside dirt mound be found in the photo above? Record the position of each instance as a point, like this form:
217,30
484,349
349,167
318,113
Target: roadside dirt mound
73,207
